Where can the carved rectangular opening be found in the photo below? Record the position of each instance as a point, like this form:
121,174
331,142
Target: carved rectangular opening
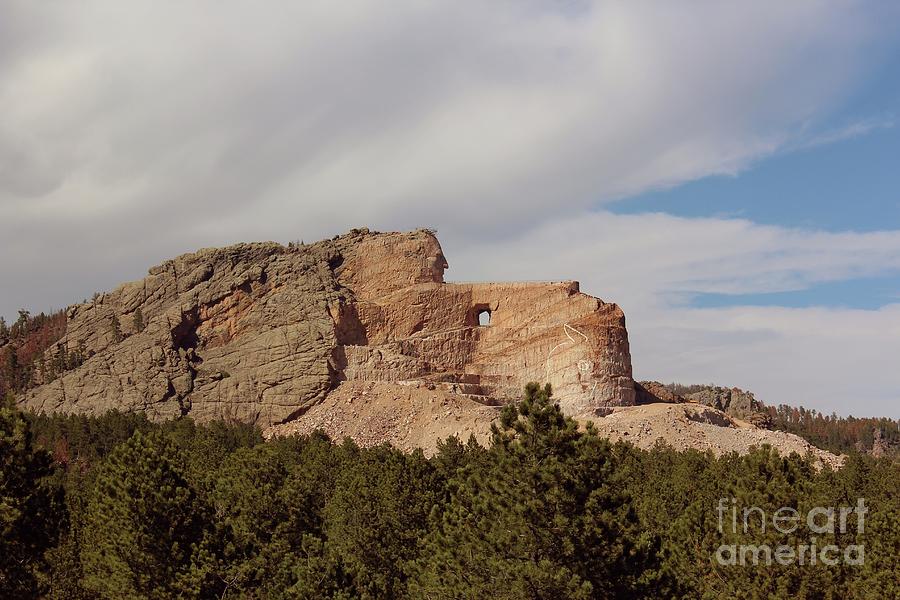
478,315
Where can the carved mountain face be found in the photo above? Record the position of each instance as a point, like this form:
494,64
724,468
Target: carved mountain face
260,333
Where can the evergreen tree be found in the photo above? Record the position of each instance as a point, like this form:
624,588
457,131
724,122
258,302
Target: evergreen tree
65,580
551,510
11,370
246,495
147,534
375,517
115,328
880,574
138,320
21,326
545,519
29,511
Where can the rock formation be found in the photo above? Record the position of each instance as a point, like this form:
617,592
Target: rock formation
262,332
732,401
649,392
360,336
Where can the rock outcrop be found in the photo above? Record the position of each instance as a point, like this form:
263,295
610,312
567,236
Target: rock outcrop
649,392
361,336
732,401
262,332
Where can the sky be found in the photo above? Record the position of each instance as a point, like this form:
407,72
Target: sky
728,173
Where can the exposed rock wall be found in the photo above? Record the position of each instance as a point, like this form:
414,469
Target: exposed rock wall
262,332
538,332
733,401
649,392
240,332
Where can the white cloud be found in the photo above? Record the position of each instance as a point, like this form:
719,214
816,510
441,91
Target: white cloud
134,131
853,130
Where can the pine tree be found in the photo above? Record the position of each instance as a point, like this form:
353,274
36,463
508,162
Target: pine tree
29,506
20,327
11,369
115,327
545,518
147,534
375,517
246,496
880,573
138,320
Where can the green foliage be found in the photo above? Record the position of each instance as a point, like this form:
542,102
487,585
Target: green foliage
550,510
23,346
30,516
839,434
376,514
138,320
115,328
147,533
546,518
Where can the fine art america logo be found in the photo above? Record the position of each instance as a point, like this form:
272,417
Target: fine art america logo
822,524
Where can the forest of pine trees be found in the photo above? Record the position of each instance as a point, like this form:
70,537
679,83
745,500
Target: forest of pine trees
839,434
118,507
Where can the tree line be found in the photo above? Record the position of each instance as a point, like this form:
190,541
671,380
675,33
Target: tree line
839,434
119,507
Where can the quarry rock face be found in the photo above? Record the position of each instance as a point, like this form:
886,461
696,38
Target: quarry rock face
262,332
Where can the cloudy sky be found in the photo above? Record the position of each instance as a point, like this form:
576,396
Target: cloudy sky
729,173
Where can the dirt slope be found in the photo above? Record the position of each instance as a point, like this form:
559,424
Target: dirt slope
414,416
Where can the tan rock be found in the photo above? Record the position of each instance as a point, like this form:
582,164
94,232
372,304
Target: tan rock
360,336
408,417
262,332
648,392
694,426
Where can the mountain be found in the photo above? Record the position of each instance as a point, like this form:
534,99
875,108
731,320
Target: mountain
358,335
262,332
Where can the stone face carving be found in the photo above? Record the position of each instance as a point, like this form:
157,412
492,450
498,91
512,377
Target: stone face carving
262,332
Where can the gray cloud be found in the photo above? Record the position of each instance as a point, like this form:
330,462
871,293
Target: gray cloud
134,132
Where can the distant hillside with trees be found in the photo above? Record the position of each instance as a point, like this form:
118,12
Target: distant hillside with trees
24,357
879,436
875,435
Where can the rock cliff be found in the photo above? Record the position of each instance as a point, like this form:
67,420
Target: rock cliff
263,332
733,401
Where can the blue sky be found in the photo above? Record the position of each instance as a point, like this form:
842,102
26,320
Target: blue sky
726,172
850,182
